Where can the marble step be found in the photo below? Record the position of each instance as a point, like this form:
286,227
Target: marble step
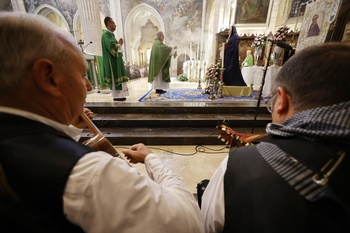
166,136
179,120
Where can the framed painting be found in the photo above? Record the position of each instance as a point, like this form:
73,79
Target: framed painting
252,12
318,17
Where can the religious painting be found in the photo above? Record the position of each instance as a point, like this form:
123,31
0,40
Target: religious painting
318,17
252,12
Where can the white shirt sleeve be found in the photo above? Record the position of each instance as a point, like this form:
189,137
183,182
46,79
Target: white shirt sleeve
104,194
213,203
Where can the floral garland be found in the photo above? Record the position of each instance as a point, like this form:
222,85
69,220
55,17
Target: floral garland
259,41
212,74
281,34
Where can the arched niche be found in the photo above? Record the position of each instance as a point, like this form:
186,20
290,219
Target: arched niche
148,32
135,20
180,62
53,15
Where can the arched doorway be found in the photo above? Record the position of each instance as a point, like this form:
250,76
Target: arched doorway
139,17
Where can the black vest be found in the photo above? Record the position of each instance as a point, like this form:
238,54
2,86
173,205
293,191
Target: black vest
37,161
257,199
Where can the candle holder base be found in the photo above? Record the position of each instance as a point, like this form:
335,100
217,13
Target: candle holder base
221,83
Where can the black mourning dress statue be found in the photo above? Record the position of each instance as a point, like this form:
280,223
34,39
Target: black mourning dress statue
232,73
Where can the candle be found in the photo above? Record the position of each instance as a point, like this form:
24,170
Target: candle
197,52
223,55
190,50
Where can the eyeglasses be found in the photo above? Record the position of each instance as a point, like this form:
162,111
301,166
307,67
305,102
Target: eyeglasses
270,101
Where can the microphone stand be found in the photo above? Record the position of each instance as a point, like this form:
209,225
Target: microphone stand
262,84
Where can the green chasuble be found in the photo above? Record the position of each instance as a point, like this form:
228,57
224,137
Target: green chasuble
159,61
248,61
113,64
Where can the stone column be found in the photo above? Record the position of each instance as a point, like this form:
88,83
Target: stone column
90,20
18,5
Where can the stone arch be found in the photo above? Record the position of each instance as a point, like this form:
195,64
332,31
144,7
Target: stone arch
135,20
77,30
53,15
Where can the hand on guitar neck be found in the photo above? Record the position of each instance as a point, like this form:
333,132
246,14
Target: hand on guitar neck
233,138
99,142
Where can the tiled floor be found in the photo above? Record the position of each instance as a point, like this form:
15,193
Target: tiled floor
192,163
187,161
137,88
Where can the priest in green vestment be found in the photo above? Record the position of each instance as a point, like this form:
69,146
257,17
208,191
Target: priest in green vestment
159,74
113,70
248,61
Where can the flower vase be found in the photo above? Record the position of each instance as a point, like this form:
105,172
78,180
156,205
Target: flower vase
257,54
277,55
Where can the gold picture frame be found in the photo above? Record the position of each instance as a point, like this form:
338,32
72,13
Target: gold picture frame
254,12
318,17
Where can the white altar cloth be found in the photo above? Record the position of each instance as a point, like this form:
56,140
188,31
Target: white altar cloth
253,76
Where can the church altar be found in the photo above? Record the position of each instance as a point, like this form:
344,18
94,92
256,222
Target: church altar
236,91
253,76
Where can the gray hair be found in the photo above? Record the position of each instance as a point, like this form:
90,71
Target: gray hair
158,34
317,76
24,38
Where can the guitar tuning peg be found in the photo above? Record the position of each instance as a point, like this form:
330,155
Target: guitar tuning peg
219,136
223,140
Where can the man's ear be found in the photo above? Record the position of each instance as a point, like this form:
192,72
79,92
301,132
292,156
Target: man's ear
45,76
283,104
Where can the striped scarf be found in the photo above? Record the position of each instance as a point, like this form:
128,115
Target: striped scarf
330,123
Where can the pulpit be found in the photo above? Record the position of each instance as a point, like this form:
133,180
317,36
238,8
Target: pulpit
92,72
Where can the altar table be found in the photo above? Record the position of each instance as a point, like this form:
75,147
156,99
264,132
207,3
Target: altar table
253,76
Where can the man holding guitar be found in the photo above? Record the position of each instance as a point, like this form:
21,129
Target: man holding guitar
296,179
48,181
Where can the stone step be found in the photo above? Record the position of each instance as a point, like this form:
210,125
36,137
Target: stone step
171,108
179,120
165,136
174,123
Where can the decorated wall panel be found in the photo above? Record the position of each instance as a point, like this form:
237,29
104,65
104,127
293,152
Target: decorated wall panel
182,19
5,5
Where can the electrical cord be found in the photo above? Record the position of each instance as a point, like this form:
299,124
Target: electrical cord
198,149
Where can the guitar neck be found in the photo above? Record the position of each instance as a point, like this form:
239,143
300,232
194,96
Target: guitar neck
89,123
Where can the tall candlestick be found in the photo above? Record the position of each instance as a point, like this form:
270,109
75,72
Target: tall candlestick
223,55
190,50
198,51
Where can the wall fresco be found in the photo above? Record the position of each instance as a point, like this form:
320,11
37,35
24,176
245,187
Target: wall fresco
6,5
182,19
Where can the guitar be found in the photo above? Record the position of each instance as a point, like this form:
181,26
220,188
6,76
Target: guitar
233,138
99,141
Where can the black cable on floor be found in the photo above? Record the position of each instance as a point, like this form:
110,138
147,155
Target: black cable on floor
198,149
